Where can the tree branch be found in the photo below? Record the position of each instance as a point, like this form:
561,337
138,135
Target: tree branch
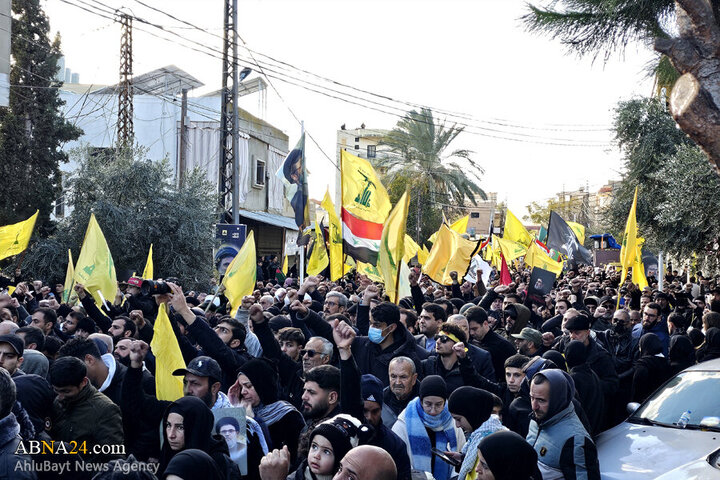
702,18
682,52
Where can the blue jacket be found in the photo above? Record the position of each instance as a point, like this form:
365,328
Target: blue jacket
563,445
9,441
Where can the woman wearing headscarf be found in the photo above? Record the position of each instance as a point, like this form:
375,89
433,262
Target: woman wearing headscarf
681,353
472,410
190,465
425,424
329,442
651,370
187,424
256,389
711,348
506,456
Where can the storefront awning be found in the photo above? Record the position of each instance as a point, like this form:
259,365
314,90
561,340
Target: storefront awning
269,218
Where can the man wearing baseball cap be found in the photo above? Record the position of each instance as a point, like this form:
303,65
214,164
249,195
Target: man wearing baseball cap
201,378
529,342
11,354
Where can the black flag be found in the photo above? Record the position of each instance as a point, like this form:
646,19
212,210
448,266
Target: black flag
562,238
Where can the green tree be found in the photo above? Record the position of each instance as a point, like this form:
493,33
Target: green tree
686,31
136,203
32,130
416,150
572,210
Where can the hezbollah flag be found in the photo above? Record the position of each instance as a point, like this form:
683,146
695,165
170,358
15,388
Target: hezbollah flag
423,255
459,225
411,248
628,250
318,260
365,206
285,266
168,358
15,238
579,231
451,252
69,274
149,267
536,256
239,279
516,231
392,247
370,271
511,250
95,268
293,174
638,269
563,239
335,237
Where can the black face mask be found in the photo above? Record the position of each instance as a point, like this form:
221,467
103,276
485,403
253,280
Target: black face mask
619,328
124,360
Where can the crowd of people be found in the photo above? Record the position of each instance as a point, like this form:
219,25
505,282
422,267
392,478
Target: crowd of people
467,381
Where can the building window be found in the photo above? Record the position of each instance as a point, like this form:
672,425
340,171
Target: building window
371,151
259,171
357,139
474,214
60,207
357,147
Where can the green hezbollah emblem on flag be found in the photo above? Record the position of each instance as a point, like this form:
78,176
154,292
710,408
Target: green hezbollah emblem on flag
363,197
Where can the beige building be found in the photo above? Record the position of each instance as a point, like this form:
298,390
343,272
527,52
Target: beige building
480,215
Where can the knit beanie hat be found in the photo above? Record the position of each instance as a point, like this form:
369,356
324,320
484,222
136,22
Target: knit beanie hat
433,386
372,389
575,353
472,403
263,376
342,433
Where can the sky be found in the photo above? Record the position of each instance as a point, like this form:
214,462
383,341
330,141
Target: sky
536,117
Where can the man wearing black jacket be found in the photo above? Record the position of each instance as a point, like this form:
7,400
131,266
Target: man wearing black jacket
499,348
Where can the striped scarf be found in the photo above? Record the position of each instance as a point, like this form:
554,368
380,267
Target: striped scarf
470,449
416,421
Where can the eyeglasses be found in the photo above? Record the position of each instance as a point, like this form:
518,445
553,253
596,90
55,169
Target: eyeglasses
443,339
310,353
649,315
332,304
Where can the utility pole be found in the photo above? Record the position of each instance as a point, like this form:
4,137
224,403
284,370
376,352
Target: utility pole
228,187
125,133
183,138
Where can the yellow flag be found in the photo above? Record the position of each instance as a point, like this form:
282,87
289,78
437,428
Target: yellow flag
392,246
411,248
148,272
318,260
423,255
285,266
515,231
95,268
628,248
459,226
240,276
363,195
450,253
69,274
371,271
335,237
511,250
537,257
168,358
15,238
638,268
349,265
579,231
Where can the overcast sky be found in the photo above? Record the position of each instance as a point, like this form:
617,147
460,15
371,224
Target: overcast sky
472,58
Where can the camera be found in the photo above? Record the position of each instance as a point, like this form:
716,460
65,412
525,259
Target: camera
151,287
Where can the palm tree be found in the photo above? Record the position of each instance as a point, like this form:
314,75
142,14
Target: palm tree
416,150
686,31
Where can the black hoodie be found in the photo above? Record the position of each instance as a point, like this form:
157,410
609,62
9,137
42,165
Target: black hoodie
651,370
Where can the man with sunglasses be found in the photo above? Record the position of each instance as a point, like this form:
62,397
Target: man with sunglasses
451,361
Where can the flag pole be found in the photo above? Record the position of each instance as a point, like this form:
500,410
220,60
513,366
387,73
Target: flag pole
301,273
342,194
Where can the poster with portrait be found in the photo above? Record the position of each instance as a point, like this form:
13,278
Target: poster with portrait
230,424
232,237
541,282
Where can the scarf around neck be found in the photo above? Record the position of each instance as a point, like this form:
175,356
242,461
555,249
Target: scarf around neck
416,421
272,413
470,449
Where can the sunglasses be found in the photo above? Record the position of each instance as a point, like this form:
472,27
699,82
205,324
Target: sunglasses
444,338
310,353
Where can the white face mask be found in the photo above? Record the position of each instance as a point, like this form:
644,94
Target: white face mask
286,301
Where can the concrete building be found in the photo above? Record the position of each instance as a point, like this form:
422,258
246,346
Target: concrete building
482,213
156,117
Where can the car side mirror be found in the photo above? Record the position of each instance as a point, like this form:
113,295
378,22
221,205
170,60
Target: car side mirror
632,406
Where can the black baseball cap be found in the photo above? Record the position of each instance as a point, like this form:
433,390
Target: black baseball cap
15,342
202,367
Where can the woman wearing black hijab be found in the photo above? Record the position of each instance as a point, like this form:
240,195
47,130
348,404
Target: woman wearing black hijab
187,424
507,456
682,353
651,370
190,465
587,385
711,348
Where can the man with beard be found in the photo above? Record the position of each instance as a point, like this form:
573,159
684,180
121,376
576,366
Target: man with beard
122,327
480,332
653,322
320,401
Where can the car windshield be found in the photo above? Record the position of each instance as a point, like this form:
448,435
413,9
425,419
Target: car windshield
688,391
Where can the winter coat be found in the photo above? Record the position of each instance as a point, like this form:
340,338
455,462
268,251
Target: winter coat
372,359
9,441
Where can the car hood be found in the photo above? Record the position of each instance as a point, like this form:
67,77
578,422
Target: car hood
639,452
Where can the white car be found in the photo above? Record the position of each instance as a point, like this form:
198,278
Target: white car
651,444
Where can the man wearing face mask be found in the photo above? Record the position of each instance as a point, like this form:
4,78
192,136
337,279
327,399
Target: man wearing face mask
387,338
618,341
